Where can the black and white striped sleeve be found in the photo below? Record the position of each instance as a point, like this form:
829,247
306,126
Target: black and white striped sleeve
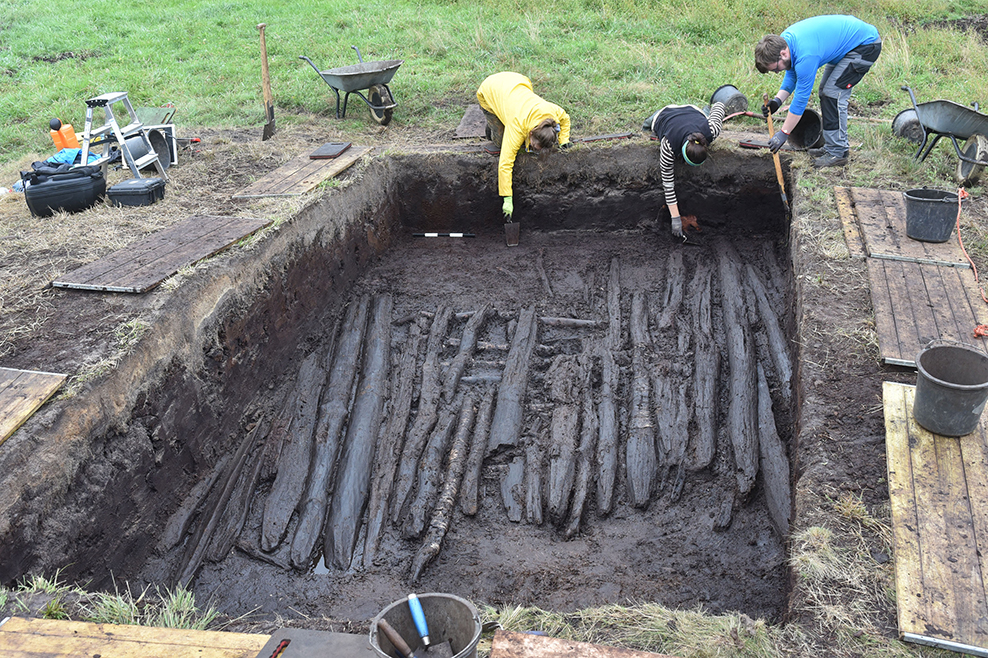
667,163
716,119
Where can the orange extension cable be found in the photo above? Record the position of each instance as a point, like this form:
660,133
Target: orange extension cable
981,330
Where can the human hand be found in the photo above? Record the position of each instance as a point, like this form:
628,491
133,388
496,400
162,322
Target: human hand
778,139
566,145
771,107
508,208
677,226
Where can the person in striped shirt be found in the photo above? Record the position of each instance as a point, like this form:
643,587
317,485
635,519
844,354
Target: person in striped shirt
685,134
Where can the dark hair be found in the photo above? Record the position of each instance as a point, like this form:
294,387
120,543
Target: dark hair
767,51
545,135
696,148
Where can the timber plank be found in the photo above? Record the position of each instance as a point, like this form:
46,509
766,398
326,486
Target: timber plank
939,502
849,222
301,175
507,644
143,265
22,392
882,218
24,637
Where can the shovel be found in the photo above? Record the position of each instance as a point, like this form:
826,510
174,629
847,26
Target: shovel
266,85
778,165
428,649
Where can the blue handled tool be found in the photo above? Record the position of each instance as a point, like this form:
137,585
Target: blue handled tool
415,606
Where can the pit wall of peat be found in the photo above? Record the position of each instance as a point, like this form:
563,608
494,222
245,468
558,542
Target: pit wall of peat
90,482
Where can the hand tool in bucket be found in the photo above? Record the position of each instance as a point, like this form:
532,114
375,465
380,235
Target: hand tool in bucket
266,84
778,165
428,648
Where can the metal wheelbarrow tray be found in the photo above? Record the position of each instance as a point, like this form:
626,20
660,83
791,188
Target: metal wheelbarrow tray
372,76
949,119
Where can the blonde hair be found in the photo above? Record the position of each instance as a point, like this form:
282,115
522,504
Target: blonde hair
545,135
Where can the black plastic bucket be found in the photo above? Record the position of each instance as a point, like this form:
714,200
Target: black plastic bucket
733,100
951,389
449,618
808,133
930,214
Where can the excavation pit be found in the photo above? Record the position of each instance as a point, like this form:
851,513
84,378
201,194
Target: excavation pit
618,312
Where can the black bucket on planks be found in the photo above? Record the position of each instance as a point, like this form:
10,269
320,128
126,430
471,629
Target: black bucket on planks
951,388
930,214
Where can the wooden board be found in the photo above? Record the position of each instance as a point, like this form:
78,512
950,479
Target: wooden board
305,644
45,638
301,175
22,392
849,222
525,645
472,124
938,490
915,303
882,218
141,266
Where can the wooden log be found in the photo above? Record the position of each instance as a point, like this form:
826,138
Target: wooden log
614,341
425,416
277,434
565,378
778,345
179,522
455,466
510,408
491,378
468,344
672,416
533,481
349,501
706,372
641,459
296,453
673,297
237,508
589,427
607,440
389,445
513,489
470,496
573,323
774,461
742,380
429,475
540,266
333,410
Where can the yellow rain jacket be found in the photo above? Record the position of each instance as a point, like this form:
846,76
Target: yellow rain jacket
509,96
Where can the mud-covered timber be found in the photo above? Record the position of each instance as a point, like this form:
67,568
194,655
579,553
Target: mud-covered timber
672,415
614,341
468,345
333,410
607,441
509,409
429,474
589,428
706,371
533,478
774,461
640,459
673,297
471,478
565,388
778,346
349,501
513,490
237,508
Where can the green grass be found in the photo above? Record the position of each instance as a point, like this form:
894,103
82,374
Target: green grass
609,62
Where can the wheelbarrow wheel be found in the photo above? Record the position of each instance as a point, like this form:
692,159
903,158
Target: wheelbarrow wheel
976,148
378,95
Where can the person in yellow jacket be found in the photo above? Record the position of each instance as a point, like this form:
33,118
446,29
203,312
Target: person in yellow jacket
518,118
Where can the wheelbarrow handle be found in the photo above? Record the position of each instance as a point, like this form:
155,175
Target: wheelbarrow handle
358,54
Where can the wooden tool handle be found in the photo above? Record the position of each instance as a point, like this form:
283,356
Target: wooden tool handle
771,130
265,76
395,639
775,156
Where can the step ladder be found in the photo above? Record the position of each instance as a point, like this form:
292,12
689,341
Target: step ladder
112,131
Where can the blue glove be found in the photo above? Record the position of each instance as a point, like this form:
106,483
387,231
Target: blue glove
778,139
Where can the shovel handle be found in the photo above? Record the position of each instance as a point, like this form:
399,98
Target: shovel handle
397,640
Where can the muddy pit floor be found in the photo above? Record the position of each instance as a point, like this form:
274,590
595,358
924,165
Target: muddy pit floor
670,551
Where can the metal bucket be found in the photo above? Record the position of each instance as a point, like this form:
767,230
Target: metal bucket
951,388
808,133
930,214
906,124
449,618
158,142
733,100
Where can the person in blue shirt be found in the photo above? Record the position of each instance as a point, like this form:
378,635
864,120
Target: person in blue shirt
848,47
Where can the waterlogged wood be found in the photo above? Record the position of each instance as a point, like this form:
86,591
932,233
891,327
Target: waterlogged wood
296,453
455,466
565,378
429,475
346,509
389,446
470,494
275,440
774,461
468,345
589,428
572,323
540,266
706,372
425,416
179,522
614,341
607,438
742,380
778,345
533,481
333,410
513,490
510,408
640,459
672,415
673,298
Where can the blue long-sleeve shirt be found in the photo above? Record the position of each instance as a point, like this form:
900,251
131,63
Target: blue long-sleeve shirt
817,41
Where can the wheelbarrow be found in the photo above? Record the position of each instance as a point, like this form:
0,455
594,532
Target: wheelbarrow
948,119
372,76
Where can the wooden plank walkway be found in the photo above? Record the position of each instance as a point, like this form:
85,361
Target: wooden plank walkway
881,215
45,638
938,489
916,302
525,645
22,392
143,265
301,175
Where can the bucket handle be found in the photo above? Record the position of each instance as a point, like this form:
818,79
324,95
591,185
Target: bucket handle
951,342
